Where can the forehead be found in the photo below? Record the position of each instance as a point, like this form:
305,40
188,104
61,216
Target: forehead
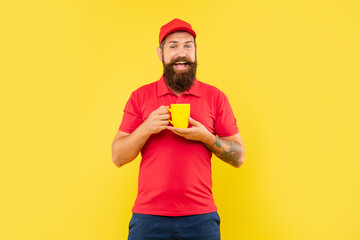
179,37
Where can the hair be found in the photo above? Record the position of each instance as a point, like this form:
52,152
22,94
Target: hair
163,42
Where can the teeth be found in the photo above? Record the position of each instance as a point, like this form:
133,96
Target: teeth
180,62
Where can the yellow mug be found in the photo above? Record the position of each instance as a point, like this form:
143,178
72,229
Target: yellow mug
180,114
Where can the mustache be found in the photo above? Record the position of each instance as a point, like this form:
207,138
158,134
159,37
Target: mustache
180,59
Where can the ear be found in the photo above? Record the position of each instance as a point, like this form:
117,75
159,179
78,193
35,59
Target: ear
159,52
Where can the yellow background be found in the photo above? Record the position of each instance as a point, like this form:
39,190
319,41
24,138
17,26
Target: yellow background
289,68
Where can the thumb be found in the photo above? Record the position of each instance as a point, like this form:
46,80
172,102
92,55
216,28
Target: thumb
193,122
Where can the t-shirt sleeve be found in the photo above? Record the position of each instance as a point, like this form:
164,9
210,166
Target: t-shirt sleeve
132,117
225,122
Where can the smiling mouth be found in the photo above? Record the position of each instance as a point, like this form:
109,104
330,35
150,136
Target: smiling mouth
180,65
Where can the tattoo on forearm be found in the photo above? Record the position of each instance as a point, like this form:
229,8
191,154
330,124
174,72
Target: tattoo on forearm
227,151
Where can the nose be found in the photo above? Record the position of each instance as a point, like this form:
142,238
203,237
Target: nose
181,52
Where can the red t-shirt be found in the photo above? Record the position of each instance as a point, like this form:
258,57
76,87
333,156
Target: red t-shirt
175,173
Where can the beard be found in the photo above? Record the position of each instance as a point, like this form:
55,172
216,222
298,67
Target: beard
183,80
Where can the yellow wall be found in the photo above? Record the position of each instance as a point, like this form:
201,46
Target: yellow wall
289,68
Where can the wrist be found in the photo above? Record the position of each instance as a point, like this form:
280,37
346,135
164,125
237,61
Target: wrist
145,130
209,139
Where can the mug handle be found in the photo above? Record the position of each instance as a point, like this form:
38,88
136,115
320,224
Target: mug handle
169,109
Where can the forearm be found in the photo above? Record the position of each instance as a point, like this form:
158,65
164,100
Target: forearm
126,149
228,151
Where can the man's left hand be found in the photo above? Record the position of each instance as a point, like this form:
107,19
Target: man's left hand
197,132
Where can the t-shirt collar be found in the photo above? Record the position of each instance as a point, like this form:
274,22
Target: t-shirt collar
162,88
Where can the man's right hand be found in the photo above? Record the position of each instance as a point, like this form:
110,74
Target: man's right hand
158,120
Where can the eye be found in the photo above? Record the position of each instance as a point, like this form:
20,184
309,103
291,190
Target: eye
187,46
173,46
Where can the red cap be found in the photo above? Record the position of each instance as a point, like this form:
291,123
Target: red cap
175,26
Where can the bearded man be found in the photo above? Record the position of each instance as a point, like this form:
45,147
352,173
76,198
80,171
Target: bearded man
175,199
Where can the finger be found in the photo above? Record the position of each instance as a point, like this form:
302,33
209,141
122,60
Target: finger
170,128
173,130
162,111
162,107
164,123
162,128
183,131
164,116
193,122
179,134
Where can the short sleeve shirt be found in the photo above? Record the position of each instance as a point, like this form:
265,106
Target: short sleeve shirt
175,173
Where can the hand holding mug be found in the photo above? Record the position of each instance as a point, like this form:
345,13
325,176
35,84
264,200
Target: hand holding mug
197,132
158,120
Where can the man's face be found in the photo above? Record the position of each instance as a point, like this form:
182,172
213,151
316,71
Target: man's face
179,59
177,45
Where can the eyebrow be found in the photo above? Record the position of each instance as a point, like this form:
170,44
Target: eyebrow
190,41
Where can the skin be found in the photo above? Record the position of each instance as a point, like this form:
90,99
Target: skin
229,149
178,44
126,147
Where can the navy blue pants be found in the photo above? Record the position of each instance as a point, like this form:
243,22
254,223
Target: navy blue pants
194,227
